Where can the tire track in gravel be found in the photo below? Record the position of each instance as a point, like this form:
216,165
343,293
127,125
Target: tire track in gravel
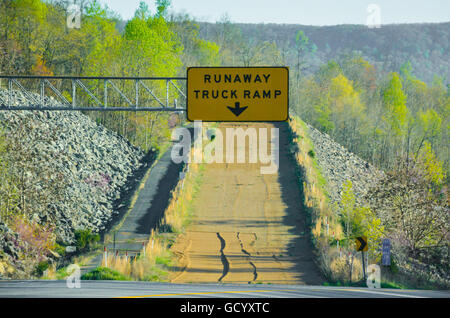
226,264
255,272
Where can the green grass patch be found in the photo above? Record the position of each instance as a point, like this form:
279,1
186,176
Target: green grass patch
156,275
320,179
62,273
104,273
390,285
41,268
85,239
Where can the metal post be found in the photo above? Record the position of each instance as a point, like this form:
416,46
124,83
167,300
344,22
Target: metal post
42,92
363,266
137,93
74,93
10,93
167,93
105,104
367,260
105,256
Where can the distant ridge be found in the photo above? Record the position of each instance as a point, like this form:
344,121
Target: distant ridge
425,45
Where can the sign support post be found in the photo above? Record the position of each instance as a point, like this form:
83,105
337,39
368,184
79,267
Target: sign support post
363,265
362,246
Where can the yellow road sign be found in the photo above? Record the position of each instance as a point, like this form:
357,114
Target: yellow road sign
361,244
237,93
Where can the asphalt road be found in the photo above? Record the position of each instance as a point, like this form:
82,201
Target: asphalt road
148,210
108,289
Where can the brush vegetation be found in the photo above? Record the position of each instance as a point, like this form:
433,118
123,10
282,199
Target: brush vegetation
335,225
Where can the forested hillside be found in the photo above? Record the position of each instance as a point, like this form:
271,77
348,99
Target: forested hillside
425,46
381,93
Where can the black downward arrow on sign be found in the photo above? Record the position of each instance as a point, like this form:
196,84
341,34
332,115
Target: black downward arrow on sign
363,243
237,110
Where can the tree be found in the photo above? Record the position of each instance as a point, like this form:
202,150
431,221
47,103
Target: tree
103,41
359,220
162,6
229,38
21,22
196,51
433,168
395,105
252,53
347,111
301,45
347,208
411,208
429,123
143,11
207,53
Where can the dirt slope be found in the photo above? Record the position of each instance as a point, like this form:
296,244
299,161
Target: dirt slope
248,227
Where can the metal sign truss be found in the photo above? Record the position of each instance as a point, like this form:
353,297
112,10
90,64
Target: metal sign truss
92,93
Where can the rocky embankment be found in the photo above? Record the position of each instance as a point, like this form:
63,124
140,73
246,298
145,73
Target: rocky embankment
339,165
93,162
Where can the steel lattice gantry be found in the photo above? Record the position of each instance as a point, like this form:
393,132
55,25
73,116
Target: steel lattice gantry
92,93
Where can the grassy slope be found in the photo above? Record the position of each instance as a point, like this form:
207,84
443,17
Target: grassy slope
317,204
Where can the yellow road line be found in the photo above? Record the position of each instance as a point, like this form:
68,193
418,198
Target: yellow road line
208,293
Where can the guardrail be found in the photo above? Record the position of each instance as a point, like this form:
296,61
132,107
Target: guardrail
88,93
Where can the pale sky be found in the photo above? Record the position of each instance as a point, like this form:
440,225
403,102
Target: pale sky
307,12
